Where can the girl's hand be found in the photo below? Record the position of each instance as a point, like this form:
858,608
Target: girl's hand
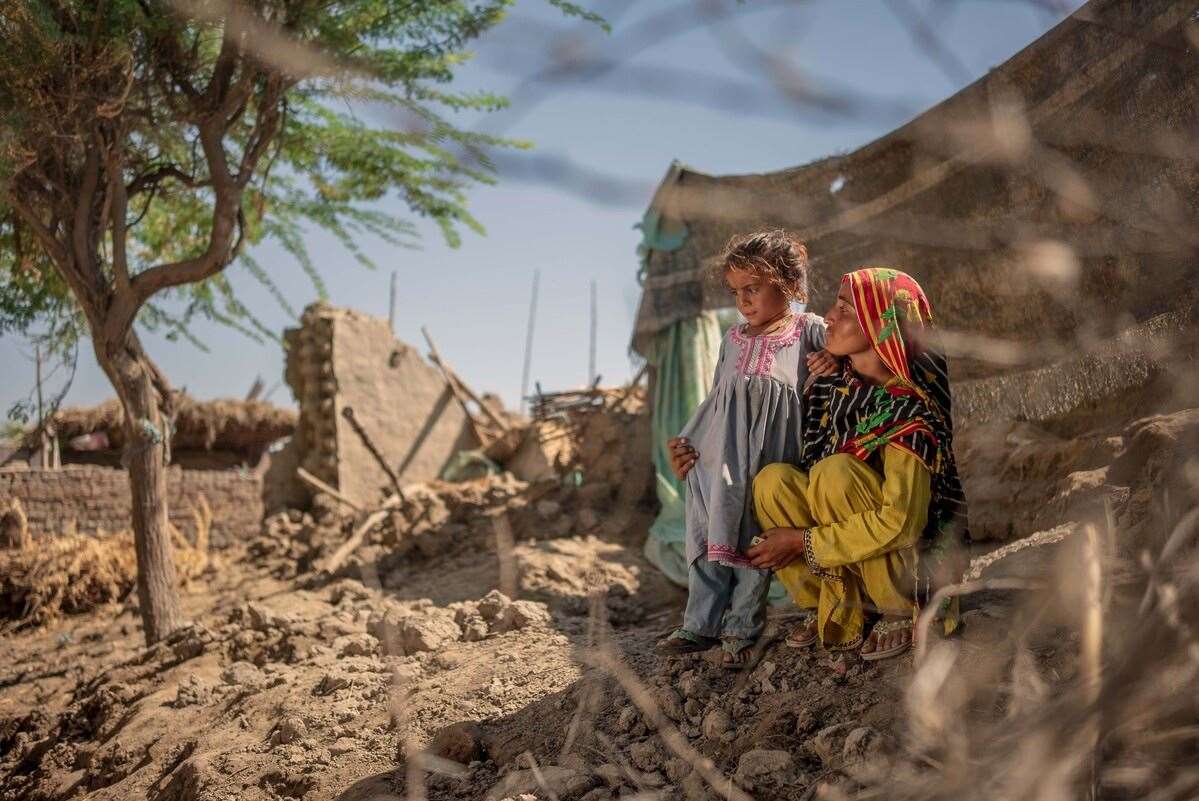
682,456
822,363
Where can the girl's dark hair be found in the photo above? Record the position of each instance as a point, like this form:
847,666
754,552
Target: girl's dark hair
777,255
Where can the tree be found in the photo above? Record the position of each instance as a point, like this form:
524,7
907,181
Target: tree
144,143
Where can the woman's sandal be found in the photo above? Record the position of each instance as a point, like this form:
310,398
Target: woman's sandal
883,628
803,635
682,641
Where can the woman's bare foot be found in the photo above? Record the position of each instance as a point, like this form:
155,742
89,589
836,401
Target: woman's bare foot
890,637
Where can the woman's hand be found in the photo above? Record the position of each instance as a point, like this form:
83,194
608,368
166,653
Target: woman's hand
822,363
779,548
682,456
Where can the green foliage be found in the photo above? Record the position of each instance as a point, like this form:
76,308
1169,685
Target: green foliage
364,121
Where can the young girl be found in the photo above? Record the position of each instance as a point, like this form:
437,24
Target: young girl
751,418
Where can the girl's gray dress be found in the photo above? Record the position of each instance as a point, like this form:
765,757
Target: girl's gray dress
751,418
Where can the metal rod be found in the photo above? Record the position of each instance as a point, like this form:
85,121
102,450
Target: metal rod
524,376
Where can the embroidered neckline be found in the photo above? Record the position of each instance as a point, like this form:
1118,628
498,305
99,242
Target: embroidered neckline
757,351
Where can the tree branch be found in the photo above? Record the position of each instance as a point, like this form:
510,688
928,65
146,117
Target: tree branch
150,180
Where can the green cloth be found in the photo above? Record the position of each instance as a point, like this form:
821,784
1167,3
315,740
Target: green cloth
684,360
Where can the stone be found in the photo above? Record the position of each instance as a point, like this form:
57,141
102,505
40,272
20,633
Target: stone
805,721
474,629
289,730
827,743
716,724
263,619
562,782
343,745
492,605
692,686
588,519
865,743
764,768
417,631
670,703
644,756
677,769
522,614
461,742
356,645
244,674
693,708
627,720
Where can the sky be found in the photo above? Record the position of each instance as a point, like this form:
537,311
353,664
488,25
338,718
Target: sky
688,91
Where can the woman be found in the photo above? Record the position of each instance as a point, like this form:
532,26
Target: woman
876,492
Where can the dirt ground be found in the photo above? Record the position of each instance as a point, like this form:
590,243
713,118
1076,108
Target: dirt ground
494,640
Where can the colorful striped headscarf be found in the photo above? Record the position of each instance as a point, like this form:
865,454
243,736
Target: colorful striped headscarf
847,415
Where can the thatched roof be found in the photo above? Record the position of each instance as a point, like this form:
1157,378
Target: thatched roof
1084,138
222,424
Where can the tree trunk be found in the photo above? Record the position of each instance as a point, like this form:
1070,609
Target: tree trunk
147,443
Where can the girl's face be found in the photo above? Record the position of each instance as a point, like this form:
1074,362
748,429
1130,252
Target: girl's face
758,300
843,334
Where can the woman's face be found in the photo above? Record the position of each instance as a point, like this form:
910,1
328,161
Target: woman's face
844,335
758,300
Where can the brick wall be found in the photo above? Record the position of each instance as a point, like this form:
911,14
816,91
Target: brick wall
98,498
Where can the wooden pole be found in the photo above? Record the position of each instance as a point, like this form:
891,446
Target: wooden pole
391,306
455,388
524,376
591,374
43,440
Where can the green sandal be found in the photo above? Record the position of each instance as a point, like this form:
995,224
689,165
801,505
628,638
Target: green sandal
682,641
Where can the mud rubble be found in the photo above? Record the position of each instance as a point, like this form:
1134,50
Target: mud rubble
493,639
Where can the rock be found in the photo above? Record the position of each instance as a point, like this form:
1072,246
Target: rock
826,743
244,674
628,720
331,683
263,619
492,605
644,756
459,742
190,642
692,686
693,708
716,724
355,645
677,769
521,614
474,629
805,721
588,519
670,702
289,730
191,692
343,745
865,743
426,629
764,768
562,782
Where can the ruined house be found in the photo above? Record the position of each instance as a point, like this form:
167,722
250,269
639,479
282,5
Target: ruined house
219,457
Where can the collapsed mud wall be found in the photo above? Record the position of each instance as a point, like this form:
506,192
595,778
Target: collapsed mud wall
341,359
